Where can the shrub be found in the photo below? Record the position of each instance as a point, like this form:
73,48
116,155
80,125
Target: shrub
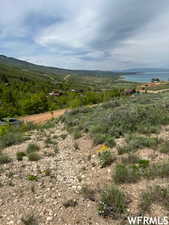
20,155
130,159
109,141
77,134
99,139
155,194
34,156
106,158
143,163
32,148
138,142
112,203
32,178
164,148
124,174
157,170
4,159
11,138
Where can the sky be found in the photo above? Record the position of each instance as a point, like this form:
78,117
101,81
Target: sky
89,34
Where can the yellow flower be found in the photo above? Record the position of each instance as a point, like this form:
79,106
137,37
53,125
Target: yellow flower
102,148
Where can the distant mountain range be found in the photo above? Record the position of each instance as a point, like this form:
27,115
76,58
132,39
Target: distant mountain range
143,70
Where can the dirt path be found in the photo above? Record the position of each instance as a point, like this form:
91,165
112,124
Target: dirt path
43,117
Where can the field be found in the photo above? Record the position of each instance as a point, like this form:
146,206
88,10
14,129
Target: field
93,165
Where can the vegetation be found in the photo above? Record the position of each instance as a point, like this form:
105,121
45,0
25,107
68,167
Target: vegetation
32,148
25,88
143,114
155,194
106,158
20,155
112,203
34,156
4,159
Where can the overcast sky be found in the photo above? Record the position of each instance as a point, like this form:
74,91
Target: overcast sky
89,34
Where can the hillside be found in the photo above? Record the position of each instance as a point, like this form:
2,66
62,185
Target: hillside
94,165
50,70
25,87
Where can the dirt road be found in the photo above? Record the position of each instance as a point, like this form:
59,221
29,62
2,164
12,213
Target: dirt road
43,117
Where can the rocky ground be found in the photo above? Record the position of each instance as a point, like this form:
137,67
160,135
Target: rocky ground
56,195
63,187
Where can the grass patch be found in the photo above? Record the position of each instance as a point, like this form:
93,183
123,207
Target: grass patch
112,203
20,155
32,178
106,158
156,194
164,148
138,142
32,148
126,174
4,159
11,138
142,114
34,156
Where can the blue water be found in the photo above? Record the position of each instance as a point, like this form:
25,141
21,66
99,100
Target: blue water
147,77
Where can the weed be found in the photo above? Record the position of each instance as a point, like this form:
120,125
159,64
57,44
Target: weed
32,148
164,148
34,156
126,174
106,158
20,155
112,203
4,159
11,138
32,178
155,194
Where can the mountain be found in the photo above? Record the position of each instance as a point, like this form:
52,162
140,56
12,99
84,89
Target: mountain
143,70
49,70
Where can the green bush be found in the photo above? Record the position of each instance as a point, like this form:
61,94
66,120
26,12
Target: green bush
99,139
20,155
4,159
106,158
126,174
32,148
112,203
109,141
156,194
164,148
130,159
32,178
143,163
34,156
11,138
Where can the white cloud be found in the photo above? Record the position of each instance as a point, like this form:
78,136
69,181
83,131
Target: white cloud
90,34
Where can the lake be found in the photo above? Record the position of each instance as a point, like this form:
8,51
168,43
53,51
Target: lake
147,76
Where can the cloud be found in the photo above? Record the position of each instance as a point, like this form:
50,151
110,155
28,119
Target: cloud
90,34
